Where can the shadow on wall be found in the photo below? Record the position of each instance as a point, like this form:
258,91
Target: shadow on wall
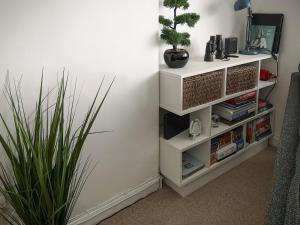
213,7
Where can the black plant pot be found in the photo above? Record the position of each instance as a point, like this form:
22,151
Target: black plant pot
176,58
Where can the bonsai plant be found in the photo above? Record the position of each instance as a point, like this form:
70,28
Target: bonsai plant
176,57
45,174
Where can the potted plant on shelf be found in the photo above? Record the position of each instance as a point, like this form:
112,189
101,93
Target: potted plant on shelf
177,57
44,174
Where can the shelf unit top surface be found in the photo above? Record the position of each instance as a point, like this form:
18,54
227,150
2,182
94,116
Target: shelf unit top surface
198,66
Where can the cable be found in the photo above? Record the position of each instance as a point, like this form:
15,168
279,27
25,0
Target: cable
276,58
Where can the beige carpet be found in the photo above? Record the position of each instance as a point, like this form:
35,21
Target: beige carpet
239,197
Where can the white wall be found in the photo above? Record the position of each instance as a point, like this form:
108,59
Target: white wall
216,17
92,38
289,51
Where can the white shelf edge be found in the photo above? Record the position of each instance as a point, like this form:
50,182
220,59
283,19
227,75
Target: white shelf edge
205,138
263,84
213,66
196,142
206,170
199,107
225,98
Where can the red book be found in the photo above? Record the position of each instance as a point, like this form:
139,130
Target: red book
242,99
249,133
262,103
263,124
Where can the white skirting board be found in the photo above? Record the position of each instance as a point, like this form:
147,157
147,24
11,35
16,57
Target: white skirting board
106,209
190,188
274,141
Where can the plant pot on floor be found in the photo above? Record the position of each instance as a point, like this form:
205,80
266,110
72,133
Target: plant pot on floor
176,58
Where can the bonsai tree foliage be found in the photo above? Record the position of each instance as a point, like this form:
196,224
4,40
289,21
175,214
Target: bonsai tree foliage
44,174
169,32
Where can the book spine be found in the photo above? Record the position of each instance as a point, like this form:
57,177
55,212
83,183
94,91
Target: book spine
237,106
236,115
249,133
239,115
262,119
263,124
241,99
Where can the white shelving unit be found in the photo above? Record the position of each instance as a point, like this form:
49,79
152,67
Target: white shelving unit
171,83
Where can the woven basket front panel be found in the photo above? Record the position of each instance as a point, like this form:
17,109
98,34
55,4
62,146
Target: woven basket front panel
189,87
240,78
201,89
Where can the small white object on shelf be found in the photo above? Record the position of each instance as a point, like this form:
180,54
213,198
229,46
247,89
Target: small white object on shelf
195,128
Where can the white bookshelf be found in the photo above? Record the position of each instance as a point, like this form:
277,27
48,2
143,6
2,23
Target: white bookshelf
171,100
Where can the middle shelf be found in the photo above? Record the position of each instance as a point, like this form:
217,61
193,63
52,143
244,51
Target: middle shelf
223,128
182,142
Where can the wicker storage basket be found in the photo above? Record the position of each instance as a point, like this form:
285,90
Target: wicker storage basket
240,78
201,89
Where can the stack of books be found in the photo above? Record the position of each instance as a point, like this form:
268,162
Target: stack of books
250,132
264,105
236,109
218,143
221,141
263,127
238,137
226,144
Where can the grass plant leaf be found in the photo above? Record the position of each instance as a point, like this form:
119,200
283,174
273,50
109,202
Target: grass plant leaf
43,176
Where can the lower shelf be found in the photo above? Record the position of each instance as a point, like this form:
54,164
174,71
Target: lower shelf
217,170
224,161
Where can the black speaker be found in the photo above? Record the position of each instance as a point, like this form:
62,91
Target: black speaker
231,45
174,124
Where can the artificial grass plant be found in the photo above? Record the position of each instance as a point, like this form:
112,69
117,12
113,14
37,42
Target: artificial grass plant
43,175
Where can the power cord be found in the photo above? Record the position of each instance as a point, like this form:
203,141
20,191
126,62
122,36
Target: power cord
276,58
